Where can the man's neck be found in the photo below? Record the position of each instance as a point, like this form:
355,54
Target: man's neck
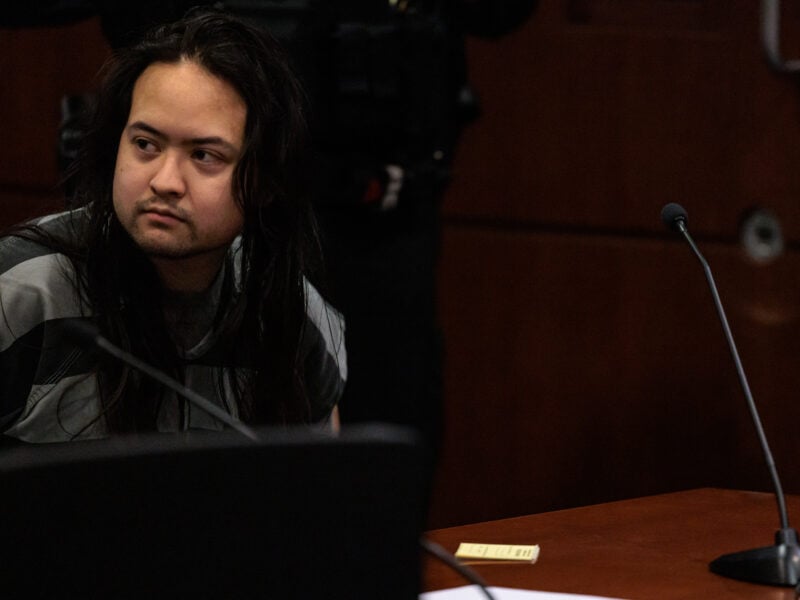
188,275
190,315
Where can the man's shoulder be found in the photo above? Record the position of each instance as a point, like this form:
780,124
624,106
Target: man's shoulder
41,237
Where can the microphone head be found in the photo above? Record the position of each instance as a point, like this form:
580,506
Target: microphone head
672,214
82,332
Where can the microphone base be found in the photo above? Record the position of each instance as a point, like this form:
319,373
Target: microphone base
771,565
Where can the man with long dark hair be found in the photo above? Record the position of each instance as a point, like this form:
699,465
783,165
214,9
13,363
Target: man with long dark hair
190,245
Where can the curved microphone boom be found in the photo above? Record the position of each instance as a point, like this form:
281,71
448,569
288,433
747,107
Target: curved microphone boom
773,565
86,333
451,561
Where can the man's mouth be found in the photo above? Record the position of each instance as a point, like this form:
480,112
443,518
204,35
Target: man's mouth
163,213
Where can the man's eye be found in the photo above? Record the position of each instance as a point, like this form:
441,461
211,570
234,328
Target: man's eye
144,145
206,157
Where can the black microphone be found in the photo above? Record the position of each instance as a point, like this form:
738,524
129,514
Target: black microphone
88,334
772,565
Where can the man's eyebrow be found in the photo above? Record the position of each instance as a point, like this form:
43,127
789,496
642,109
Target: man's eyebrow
209,140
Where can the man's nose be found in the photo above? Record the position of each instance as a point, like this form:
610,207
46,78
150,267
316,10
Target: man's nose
168,181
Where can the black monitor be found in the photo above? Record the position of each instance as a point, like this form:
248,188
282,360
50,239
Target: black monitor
300,514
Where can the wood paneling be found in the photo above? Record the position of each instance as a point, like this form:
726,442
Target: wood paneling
583,368
585,361
599,126
22,204
38,66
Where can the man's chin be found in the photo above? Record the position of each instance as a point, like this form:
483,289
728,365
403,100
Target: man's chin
158,250
172,252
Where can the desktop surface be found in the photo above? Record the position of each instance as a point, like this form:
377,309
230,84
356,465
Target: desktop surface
641,549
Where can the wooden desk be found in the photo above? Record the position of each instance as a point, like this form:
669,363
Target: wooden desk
656,547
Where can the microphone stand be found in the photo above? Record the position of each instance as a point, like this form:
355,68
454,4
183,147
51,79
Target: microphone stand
778,564
451,561
84,333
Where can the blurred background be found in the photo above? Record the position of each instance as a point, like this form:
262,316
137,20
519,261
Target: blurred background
583,359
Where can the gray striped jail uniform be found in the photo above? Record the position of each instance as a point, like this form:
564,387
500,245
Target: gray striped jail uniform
48,388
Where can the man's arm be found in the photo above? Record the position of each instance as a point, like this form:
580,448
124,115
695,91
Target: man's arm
325,357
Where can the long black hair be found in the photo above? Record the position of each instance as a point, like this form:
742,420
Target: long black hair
266,310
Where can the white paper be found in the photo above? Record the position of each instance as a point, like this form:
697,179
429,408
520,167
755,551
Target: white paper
473,592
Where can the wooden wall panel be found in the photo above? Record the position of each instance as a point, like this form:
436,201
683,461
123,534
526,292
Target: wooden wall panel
584,359
582,369
38,66
599,124
18,204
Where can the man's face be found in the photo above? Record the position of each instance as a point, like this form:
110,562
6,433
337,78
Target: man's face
174,170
